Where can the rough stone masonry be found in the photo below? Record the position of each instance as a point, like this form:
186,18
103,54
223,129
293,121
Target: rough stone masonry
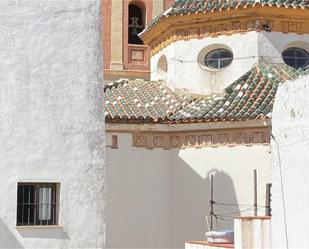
52,119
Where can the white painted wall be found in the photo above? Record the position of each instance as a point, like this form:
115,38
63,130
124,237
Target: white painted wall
249,233
272,44
190,75
252,232
51,118
290,125
138,196
159,198
249,48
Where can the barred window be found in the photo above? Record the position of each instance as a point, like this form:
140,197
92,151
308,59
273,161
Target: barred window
218,58
37,204
296,57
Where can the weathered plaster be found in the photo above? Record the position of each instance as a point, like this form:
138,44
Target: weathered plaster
51,118
183,63
290,146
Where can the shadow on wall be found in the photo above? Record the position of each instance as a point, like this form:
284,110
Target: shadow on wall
44,233
7,238
158,200
190,196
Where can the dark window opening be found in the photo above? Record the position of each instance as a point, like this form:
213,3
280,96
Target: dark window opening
296,57
37,204
136,24
218,58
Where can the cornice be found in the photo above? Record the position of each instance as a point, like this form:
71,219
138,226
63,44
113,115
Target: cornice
195,135
132,128
211,138
198,26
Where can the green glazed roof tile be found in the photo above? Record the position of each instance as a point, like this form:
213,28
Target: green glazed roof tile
250,97
184,7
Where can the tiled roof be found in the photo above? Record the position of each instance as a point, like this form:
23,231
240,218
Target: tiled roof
250,97
182,7
141,100
186,7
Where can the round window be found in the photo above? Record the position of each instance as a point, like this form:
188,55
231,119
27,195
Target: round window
218,58
296,57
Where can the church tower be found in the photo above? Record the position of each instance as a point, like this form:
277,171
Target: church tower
125,54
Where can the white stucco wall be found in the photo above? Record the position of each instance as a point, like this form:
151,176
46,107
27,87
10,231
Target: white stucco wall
51,118
252,232
248,49
290,125
272,44
159,198
138,196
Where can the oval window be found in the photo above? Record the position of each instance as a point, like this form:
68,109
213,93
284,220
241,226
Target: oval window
218,58
296,57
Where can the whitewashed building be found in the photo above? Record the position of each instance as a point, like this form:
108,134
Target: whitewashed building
215,69
290,141
51,125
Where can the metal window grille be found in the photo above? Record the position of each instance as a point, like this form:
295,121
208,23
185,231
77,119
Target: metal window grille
37,204
296,57
218,58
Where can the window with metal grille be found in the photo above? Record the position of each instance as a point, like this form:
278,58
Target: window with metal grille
37,204
296,57
218,58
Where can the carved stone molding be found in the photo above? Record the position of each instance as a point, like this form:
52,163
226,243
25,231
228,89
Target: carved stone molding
227,27
296,27
213,138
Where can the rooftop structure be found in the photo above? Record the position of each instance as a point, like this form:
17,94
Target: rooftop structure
206,110
250,97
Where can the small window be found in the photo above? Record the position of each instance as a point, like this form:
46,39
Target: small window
296,57
37,204
218,58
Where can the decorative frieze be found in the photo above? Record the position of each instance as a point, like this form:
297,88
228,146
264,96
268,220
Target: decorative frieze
212,138
288,26
140,140
231,26
236,25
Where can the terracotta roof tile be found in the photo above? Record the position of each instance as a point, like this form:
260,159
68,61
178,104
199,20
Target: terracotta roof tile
250,97
186,7
140,100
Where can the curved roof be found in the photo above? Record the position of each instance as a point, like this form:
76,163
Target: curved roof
248,98
187,7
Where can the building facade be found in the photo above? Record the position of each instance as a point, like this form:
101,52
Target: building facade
215,70
289,170
52,158
126,55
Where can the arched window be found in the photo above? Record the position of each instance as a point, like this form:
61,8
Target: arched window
296,57
162,68
136,24
218,58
